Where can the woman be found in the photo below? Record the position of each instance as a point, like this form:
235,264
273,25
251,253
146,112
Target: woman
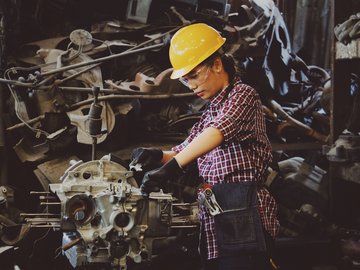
232,151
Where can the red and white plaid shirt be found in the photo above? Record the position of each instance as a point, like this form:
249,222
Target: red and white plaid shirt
243,156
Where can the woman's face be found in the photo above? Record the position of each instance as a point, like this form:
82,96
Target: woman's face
206,81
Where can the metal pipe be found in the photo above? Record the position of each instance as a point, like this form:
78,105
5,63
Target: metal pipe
50,203
33,220
37,214
118,91
45,226
47,198
93,148
39,192
183,226
31,121
158,37
71,244
15,82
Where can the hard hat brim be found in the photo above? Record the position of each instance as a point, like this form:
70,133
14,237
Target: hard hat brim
176,74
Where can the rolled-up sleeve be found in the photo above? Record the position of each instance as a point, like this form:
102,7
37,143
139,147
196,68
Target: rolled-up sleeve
236,118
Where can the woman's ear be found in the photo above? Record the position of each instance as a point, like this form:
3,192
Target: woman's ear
217,65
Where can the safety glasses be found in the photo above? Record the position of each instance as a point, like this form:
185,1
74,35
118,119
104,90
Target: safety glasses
196,78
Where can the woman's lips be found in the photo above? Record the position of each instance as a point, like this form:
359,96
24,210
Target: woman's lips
201,93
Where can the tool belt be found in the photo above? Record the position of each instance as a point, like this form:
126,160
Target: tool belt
238,224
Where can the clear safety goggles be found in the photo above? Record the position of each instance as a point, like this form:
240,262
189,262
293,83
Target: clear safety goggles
195,79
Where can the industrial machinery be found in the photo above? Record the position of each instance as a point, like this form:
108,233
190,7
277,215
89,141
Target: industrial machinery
105,219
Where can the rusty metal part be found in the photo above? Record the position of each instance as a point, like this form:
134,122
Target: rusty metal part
290,121
71,244
145,84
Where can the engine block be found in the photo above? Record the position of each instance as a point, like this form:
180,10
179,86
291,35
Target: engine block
104,217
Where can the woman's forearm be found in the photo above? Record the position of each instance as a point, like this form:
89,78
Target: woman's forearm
202,144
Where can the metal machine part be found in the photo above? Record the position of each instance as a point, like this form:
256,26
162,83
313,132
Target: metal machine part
345,149
105,219
80,37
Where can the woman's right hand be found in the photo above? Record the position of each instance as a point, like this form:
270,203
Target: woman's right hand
146,157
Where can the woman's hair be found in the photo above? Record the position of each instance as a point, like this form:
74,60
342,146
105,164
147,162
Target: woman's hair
228,61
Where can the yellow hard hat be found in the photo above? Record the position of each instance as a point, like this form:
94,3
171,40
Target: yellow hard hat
191,45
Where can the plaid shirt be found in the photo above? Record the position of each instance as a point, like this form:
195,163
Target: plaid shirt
243,156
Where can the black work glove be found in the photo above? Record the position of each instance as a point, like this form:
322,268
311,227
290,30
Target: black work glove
154,179
147,157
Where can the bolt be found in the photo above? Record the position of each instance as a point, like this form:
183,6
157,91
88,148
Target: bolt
79,215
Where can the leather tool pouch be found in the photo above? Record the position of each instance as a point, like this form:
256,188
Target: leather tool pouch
238,227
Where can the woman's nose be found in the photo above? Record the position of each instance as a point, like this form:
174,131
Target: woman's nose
192,86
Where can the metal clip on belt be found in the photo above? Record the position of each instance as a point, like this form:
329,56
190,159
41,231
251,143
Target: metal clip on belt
208,199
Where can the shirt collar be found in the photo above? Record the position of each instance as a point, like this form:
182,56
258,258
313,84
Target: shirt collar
220,97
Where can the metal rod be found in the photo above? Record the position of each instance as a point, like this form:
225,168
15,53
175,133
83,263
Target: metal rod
118,91
44,226
42,220
158,37
103,59
184,226
37,214
50,203
47,198
31,121
93,148
39,192
15,82
71,244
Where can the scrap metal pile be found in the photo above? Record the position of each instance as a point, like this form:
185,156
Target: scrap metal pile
101,82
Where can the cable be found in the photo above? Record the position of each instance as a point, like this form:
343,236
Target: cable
58,252
17,104
36,241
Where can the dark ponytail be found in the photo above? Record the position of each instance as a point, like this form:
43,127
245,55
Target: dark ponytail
230,66
228,62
